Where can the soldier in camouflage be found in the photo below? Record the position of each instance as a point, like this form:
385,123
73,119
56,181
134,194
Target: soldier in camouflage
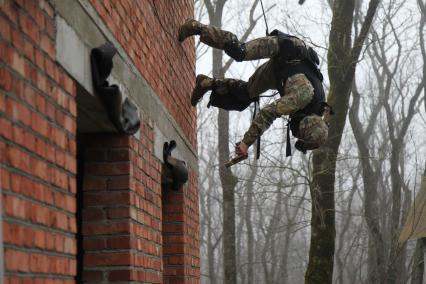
299,89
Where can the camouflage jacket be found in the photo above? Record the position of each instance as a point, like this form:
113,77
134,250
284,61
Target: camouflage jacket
298,93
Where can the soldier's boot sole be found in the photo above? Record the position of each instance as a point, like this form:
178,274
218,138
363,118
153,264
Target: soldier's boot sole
189,28
199,90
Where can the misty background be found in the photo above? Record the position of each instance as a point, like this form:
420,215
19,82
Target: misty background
265,206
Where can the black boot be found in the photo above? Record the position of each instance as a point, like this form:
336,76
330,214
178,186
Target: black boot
203,84
189,28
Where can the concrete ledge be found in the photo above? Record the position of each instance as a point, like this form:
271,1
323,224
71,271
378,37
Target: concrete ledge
79,29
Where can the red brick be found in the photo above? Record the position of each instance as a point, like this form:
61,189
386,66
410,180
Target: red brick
173,249
29,50
60,157
120,243
119,155
28,27
4,179
4,29
94,214
91,183
5,80
70,245
3,104
50,241
70,204
39,169
70,163
122,275
92,276
6,129
40,147
39,263
108,198
17,261
17,62
107,259
72,184
119,213
72,224
94,244
15,207
17,39
48,46
110,168
39,239
39,214
39,59
61,221
104,229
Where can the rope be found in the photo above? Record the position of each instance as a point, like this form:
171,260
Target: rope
264,17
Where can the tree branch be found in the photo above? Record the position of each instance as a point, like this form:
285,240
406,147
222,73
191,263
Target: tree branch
359,41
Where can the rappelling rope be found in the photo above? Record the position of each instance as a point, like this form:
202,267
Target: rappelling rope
264,17
256,103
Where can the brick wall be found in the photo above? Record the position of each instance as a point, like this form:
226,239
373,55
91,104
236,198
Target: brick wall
37,147
122,210
133,230
149,37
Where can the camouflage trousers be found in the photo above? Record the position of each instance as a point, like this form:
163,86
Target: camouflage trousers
264,78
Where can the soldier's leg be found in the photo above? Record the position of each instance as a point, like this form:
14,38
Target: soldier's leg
263,79
210,35
229,94
298,93
264,47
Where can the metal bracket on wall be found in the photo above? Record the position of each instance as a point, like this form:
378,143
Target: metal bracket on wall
174,172
124,115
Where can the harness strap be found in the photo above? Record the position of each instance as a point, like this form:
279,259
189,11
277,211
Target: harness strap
256,107
288,146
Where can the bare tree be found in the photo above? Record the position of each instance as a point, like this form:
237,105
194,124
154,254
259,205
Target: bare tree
342,58
228,180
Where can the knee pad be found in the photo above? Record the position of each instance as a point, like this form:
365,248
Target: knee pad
235,49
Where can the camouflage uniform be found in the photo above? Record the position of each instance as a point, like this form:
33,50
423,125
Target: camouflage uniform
298,89
298,93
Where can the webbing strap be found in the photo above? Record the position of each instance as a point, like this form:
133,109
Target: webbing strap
288,146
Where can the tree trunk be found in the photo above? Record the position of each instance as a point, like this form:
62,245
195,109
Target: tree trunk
210,247
342,60
228,181
418,263
250,234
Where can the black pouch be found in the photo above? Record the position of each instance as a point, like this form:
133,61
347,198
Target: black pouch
232,101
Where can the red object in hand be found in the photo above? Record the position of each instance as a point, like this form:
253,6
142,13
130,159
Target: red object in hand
241,149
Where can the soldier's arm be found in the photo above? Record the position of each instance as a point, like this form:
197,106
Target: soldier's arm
260,123
283,106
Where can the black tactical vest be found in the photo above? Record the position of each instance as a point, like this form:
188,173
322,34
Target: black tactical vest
294,60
